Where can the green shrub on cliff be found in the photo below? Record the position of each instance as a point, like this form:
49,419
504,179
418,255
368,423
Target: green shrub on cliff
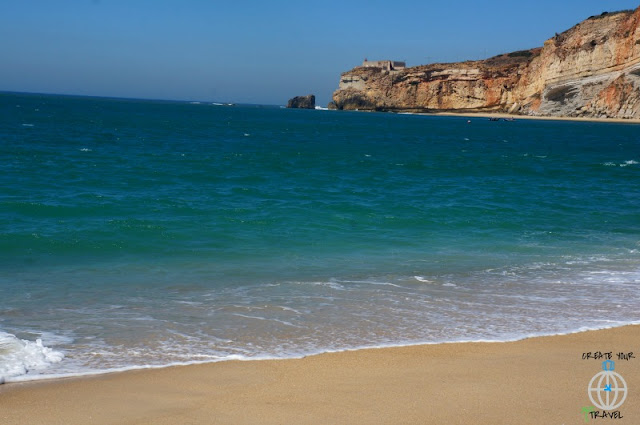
521,53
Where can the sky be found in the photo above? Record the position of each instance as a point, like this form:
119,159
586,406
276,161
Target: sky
261,52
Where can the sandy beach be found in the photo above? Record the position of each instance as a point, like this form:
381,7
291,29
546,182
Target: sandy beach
535,381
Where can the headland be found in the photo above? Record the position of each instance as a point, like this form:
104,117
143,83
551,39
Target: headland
591,70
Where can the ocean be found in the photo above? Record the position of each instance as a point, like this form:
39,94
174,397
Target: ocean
138,234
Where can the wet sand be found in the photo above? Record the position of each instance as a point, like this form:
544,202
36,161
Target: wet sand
534,381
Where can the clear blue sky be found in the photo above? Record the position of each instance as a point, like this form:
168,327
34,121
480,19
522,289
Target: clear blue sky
255,51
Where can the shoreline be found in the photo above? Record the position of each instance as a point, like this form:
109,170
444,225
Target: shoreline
530,117
465,382
22,379
503,115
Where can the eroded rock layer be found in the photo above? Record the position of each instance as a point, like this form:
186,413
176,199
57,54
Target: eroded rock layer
590,70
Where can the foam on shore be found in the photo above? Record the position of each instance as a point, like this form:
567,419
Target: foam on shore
18,357
33,356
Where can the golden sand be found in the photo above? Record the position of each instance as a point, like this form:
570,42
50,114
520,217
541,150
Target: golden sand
534,381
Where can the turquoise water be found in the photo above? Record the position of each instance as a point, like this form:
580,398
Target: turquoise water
146,233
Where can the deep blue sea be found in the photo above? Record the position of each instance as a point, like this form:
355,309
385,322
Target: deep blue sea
146,233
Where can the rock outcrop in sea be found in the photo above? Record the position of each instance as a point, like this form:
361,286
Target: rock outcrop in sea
302,102
590,70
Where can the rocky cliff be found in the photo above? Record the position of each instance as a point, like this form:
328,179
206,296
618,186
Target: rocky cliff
591,70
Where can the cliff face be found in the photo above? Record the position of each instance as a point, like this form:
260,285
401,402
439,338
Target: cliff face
592,69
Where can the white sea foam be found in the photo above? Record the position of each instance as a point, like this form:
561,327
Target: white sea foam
422,279
289,309
284,322
19,357
622,164
211,358
330,284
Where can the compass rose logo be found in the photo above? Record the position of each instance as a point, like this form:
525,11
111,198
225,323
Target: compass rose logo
607,389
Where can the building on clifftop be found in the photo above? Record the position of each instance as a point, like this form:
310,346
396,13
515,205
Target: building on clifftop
387,65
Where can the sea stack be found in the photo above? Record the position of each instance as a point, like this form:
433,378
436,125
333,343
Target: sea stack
302,102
